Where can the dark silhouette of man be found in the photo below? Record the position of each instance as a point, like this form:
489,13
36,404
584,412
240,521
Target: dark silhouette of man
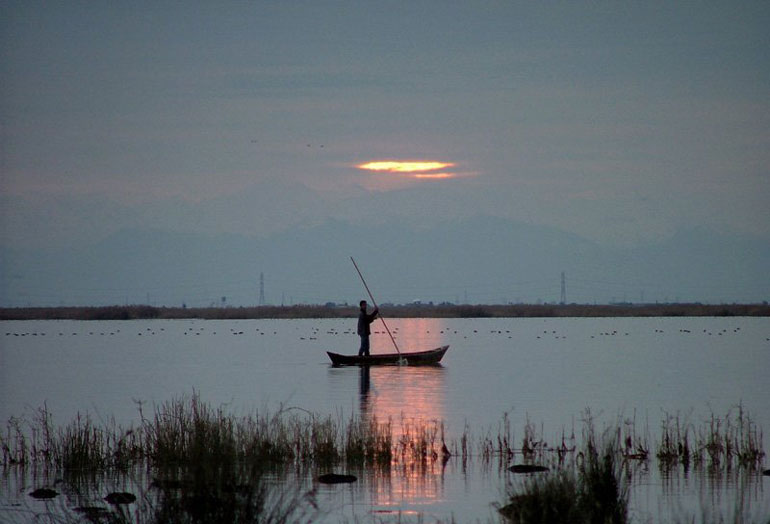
364,319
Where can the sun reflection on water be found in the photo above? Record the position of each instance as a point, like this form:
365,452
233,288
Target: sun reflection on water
412,398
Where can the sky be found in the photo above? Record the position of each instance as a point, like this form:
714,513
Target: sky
619,122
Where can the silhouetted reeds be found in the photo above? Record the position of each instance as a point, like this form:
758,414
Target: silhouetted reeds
208,464
368,442
593,489
421,442
718,442
187,431
79,445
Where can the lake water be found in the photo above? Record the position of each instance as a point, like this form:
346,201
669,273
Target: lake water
547,372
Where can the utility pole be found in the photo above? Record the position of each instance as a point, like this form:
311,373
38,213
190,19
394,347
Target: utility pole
563,288
261,289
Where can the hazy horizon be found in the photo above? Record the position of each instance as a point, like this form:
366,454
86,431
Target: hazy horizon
475,260
625,126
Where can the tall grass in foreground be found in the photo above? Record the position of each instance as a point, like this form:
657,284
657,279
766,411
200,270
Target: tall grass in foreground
208,464
188,430
593,489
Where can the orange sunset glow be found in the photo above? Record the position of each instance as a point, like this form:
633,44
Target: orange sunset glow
434,176
410,397
419,169
404,166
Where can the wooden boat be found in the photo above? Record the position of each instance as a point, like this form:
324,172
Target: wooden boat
432,356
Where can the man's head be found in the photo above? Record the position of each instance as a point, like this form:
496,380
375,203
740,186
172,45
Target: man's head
362,305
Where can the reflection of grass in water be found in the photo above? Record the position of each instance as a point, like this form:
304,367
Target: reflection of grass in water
228,493
209,464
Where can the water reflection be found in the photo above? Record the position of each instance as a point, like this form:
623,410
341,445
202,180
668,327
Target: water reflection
412,399
411,334
364,386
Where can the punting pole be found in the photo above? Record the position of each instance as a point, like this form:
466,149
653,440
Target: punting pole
377,307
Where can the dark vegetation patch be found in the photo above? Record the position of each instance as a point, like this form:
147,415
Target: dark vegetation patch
134,312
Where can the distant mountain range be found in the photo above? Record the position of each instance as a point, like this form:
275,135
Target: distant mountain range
473,260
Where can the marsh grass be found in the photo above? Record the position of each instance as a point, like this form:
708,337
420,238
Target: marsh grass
368,442
208,464
534,446
719,442
421,443
79,445
593,488
188,430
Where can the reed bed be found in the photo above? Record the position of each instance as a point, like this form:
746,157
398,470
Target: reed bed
207,464
190,431
731,440
592,488
368,442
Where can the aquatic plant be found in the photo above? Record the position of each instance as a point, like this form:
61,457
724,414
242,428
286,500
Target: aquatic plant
203,458
368,442
630,444
421,443
674,443
14,445
733,439
594,489
188,430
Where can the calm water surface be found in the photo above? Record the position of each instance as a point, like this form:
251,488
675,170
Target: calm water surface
545,371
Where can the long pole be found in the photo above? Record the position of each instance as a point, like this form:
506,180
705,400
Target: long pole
375,305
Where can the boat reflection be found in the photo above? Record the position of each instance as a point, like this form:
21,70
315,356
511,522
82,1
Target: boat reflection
412,399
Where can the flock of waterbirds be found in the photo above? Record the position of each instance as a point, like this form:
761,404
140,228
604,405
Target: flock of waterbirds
315,331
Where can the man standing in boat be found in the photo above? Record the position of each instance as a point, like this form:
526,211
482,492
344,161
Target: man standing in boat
364,319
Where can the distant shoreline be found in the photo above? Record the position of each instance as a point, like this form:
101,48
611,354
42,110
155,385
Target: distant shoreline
134,312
